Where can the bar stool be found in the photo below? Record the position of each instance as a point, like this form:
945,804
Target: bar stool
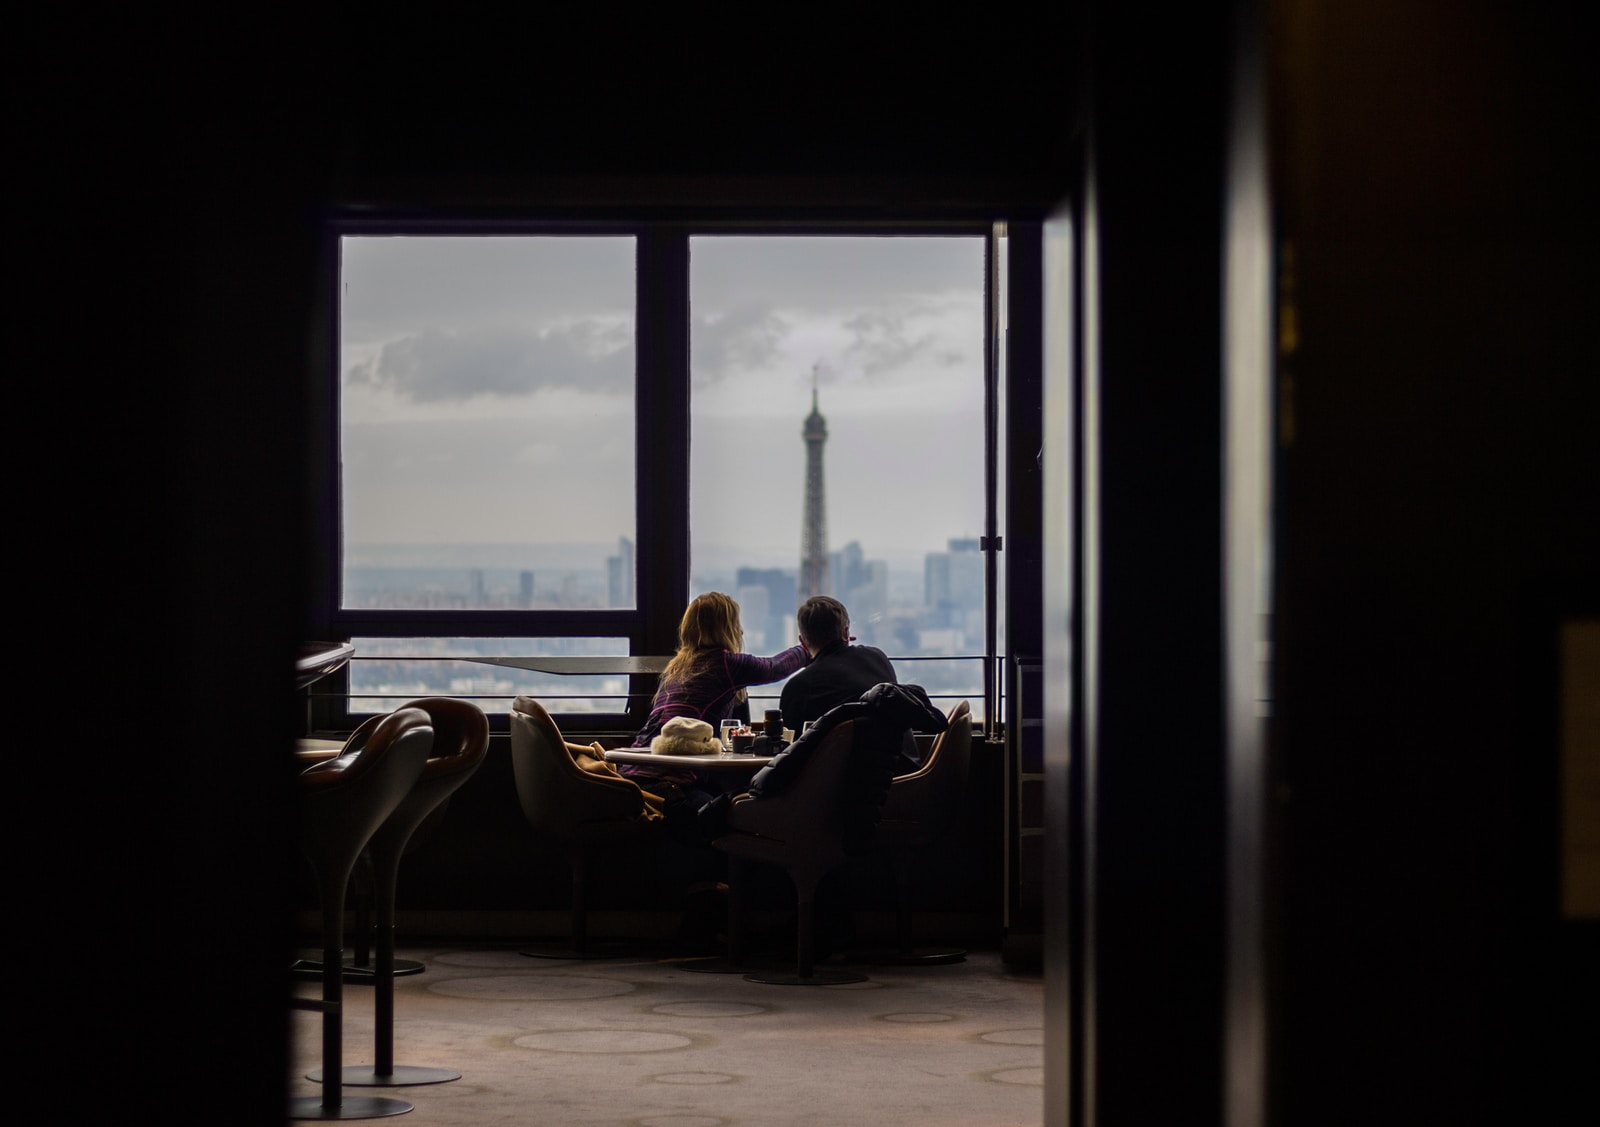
343,802
460,742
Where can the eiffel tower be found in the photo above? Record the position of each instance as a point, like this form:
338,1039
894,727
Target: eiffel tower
814,530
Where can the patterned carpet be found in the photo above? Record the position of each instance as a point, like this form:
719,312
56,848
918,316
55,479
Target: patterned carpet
647,1043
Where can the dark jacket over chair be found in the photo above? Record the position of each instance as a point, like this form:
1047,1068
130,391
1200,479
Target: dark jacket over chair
882,717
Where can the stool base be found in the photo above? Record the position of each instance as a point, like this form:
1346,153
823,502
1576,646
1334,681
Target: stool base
815,978
310,970
351,1107
917,956
721,964
592,949
403,1076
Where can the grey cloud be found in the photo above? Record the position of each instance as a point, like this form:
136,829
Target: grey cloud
437,366
882,343
832,273
395,284
745,337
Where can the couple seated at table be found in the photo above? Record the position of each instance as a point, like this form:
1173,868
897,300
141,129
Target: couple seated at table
707,678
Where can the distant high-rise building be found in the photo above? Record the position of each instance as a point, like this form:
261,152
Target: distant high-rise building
475,580
847,568
814,530
869,599
954,582
619,575
525,589
767,603
862,585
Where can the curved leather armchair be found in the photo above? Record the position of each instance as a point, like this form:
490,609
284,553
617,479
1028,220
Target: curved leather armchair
581,809
343,802
919,810
801,829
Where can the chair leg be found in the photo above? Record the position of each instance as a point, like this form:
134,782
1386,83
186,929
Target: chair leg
384,1073
733,961
902,902
581,946
806,926
580,898
806,973
904,952
737,872
333,1104
363,896
332,997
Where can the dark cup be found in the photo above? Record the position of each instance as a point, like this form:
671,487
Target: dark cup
774,731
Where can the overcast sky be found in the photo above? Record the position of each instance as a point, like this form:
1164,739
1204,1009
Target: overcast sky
488,390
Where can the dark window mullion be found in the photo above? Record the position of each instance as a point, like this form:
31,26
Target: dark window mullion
662,440
992,291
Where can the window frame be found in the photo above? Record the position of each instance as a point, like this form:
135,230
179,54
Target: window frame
663,321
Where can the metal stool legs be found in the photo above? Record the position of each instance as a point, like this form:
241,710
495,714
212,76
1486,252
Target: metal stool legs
333,1104
383,1072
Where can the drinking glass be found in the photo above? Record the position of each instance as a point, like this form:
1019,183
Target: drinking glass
728,728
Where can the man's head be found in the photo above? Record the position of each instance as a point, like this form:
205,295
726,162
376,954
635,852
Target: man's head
822,621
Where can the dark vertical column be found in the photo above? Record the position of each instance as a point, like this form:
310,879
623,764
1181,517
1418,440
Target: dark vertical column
1021,560
322,561
1024,537
662,414
1154,764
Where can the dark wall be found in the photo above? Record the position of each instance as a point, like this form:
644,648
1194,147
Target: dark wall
827,111
1438,512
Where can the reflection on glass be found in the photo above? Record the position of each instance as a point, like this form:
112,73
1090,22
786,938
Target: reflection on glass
476,374
387,672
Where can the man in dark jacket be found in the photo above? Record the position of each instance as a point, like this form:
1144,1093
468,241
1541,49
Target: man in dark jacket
837,672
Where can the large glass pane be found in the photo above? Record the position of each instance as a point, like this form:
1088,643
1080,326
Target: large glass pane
487,422
837,441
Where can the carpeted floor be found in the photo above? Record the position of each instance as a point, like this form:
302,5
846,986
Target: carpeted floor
647,1043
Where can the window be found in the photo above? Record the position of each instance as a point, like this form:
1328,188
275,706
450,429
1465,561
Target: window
510,407
875,346
475,374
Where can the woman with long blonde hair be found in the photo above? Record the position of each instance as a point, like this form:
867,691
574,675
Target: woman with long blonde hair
705,680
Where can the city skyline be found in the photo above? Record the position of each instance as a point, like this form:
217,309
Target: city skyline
453,566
